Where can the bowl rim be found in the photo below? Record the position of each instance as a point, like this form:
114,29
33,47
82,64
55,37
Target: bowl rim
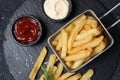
59,20
12,28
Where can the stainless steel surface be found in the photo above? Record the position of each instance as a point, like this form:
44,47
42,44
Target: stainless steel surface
109,38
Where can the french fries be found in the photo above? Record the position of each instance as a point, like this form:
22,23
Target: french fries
77,63
87,75
54,69
69,63
81,55
79,41
58,37
54,42
91,44
59,45
58,71
51,62
87,27
99,48
65,76
64,43
83,41
69,28
74,33
92,22
38,63
75,77
87,33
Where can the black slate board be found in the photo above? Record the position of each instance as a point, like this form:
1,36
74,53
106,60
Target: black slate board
21,59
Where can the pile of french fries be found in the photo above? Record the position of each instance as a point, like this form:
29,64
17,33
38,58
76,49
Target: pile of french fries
57,71
81,40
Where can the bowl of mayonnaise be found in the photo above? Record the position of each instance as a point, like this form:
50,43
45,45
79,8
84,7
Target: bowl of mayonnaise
56,10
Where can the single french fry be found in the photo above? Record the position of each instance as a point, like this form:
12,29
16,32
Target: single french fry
100,28
58,71
95,42
51,61
41,77
90,17
76,30
54,43
69,63
87,75
99,48
69,28
81,55
77,64
94,31
75,77
87,27
54,69
90,49
59,52
65,76
92,22
50,65
59,45
82,31
79,19
83,41
64,43
56,60
38,63
58,37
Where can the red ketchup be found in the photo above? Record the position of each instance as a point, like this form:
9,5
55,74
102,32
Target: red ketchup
26,30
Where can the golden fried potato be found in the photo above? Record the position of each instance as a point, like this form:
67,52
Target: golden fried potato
95,42
54,43
58,37
65,76
75,77
92,22
99,48
59,45
58,71
69,28
38,63
75,31
77,63
87,75
69,63
83,41
51,62
87,27
64,43
81,55
94,32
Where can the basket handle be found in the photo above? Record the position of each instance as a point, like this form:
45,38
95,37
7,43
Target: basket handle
110,12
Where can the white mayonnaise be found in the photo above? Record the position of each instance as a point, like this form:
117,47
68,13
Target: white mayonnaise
56,9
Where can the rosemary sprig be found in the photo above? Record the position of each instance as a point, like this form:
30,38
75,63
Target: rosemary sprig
47,74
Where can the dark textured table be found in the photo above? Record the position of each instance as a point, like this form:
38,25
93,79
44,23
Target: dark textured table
17,61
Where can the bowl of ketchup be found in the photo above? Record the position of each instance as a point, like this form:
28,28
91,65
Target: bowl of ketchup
26,30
